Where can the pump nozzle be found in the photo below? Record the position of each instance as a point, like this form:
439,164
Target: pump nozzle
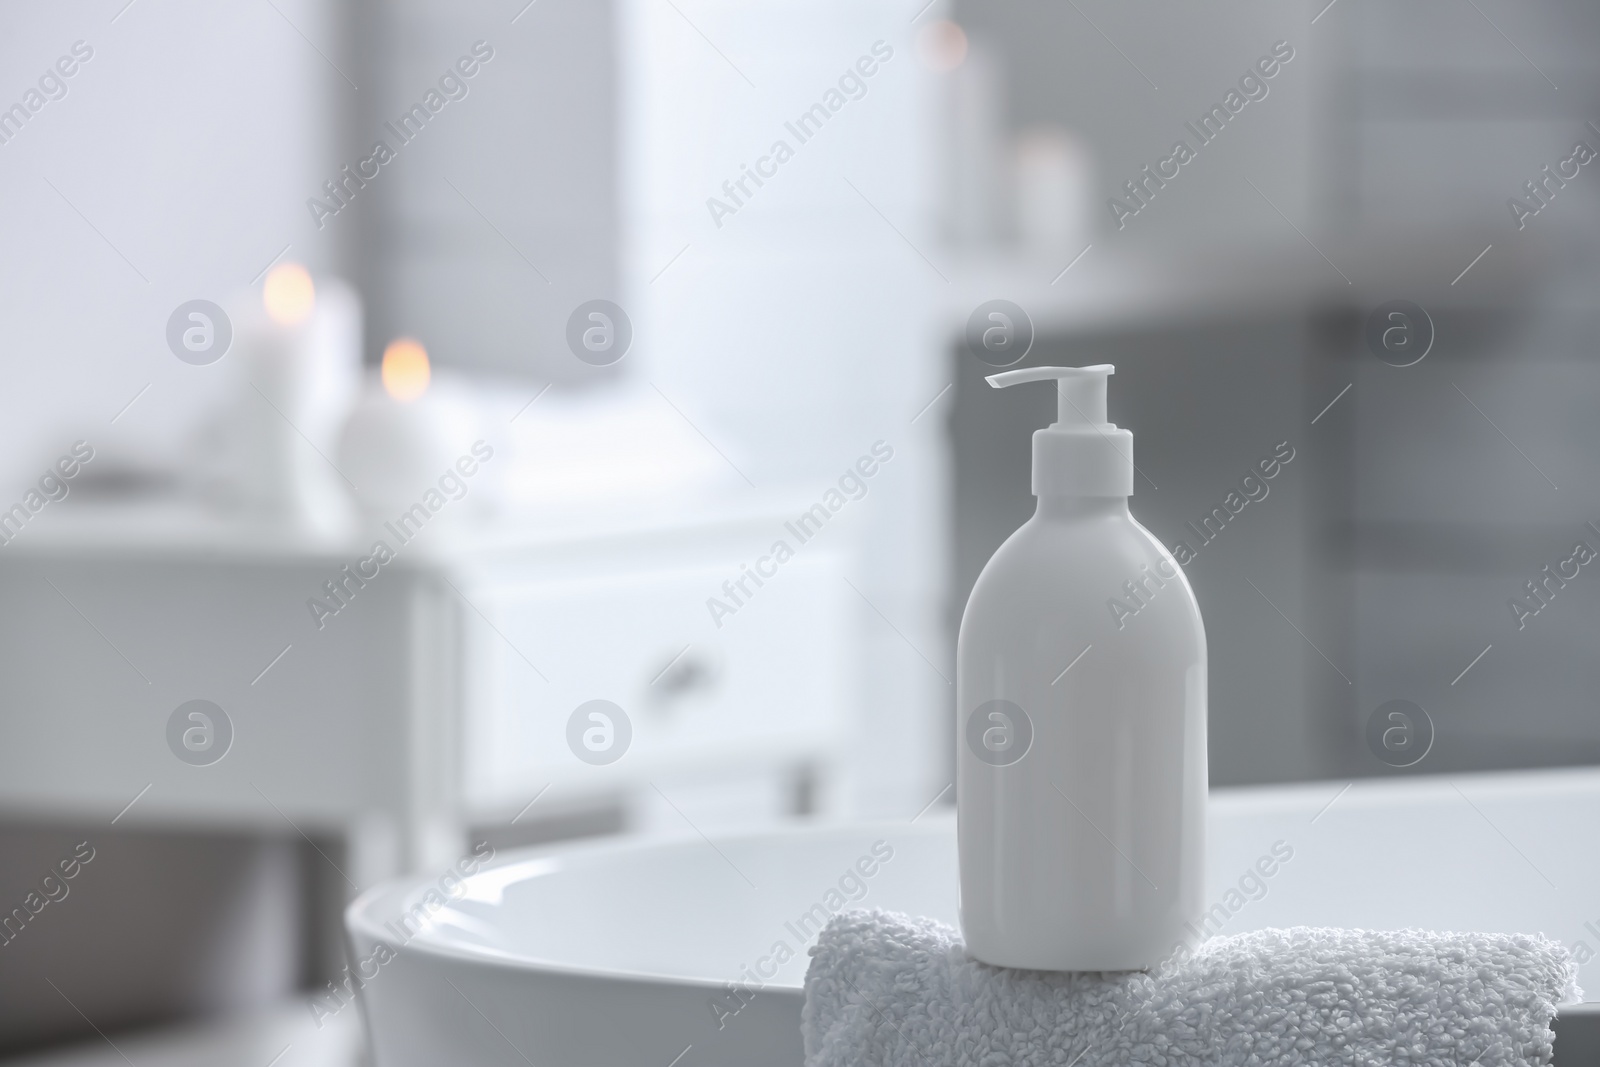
1080,396
1080,454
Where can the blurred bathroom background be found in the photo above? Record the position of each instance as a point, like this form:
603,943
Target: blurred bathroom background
582,251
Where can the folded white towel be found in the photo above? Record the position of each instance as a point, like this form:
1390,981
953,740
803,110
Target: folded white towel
886,990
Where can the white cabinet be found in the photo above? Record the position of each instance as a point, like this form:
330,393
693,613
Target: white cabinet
767,687
438,698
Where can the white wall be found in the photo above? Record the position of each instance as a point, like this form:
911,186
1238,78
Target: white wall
800,330
186,146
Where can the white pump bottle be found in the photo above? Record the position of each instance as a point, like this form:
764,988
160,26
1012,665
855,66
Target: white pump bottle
1080,717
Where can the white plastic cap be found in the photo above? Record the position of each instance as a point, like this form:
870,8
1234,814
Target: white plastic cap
1080,454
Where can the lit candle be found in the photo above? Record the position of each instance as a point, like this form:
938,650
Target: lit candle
301,350
405,434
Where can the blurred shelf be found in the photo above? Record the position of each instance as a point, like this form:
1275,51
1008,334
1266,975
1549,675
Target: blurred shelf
1117,285
1110,288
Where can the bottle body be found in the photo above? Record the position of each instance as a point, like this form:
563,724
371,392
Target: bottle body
1081,746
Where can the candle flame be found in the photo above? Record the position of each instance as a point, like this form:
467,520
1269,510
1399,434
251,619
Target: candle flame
288,294
405,369
943,45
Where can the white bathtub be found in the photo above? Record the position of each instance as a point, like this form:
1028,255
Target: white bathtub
623,952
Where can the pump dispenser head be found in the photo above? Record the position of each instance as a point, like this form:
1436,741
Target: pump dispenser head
1080,454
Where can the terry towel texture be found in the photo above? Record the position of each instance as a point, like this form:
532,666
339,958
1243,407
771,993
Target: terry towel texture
886,990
